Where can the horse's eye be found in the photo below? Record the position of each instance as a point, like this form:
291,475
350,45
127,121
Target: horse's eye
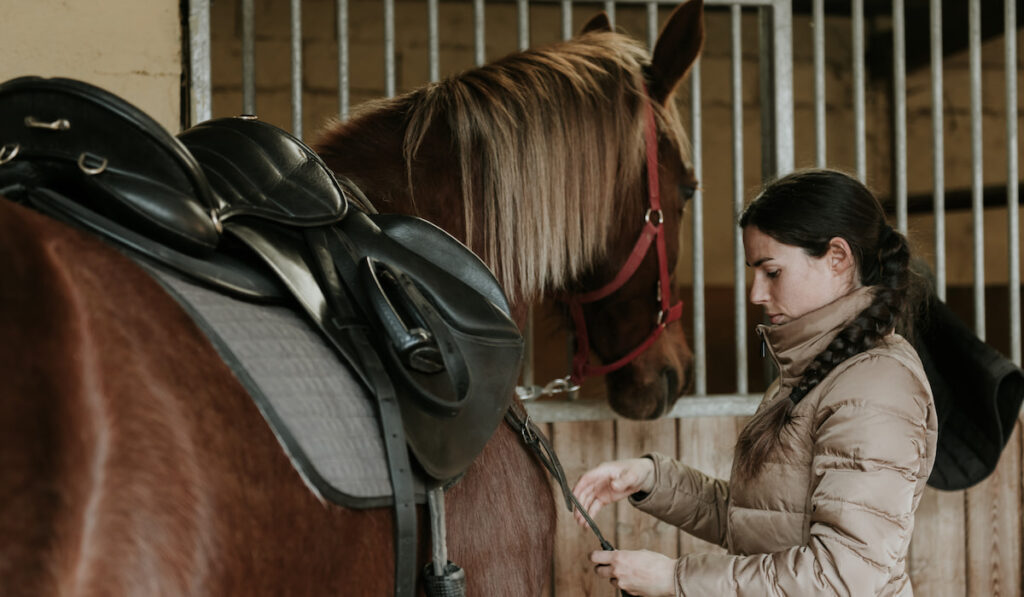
686,192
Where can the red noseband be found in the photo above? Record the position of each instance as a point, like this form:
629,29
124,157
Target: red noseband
653,231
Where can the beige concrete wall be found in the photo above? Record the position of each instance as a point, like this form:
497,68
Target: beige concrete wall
129,47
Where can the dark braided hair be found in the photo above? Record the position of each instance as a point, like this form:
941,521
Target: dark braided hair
807,209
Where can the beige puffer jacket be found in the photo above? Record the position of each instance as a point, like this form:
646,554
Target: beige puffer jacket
833,514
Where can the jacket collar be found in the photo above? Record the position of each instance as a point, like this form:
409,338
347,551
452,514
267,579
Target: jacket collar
794,344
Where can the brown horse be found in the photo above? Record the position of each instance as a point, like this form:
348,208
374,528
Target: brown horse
132,462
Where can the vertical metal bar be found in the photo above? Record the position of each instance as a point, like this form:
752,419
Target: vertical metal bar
977,205
566,19
343,66
859,137
652,24
296,19
248,58
609,7
938,149
766,84
819,83
782,67
199,61
739,274
1012,186
478,32
696,135
432,41
389,48
523,12
899,83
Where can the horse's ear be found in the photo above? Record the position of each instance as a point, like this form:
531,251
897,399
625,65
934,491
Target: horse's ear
598,22
678,46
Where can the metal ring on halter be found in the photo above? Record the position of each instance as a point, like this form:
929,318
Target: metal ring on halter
661,318
89,170
7,152
661,217
61,124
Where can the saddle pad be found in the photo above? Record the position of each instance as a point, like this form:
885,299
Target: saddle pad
322,416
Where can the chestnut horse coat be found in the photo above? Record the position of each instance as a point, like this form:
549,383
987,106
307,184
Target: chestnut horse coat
832,511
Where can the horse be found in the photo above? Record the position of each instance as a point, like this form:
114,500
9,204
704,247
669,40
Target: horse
132,461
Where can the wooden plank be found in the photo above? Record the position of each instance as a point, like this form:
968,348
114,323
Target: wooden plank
707,444
580,447
937,563
994,527
635,529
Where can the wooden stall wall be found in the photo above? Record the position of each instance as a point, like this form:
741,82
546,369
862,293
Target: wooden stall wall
966,542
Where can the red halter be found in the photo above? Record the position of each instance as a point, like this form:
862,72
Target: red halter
653,230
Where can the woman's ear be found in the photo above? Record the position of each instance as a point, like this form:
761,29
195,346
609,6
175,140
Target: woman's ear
840,256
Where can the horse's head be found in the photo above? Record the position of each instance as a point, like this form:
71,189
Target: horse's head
538,162
624,306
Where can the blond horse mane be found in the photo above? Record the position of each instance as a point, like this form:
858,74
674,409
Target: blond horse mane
551,141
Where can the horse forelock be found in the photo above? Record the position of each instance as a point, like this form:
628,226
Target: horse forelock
550,151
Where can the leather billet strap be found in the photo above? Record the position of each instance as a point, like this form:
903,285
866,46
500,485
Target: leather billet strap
653,232
349,335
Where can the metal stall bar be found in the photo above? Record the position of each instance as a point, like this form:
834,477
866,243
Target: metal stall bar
819,82
1013,242
343,82
652,24
296,18
248,58
899,83
938,149
523,12
776,25
977,205
478,32
200,88
699,315
389,48
859,139
739,280
566,19
432,41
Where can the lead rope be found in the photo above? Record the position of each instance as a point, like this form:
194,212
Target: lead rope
521,423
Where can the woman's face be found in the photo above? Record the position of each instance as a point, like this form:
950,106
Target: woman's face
789,283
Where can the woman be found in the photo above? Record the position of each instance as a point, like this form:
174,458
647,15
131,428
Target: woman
829,471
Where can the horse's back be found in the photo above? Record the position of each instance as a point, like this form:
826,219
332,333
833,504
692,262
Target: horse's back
133,462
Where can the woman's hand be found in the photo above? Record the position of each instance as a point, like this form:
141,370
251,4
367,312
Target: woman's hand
609,482
642,573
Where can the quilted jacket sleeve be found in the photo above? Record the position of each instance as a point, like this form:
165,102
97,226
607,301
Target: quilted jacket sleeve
872,445
687,498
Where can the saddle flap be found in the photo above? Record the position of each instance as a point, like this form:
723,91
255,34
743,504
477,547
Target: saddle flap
257,169
448,413
84,141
